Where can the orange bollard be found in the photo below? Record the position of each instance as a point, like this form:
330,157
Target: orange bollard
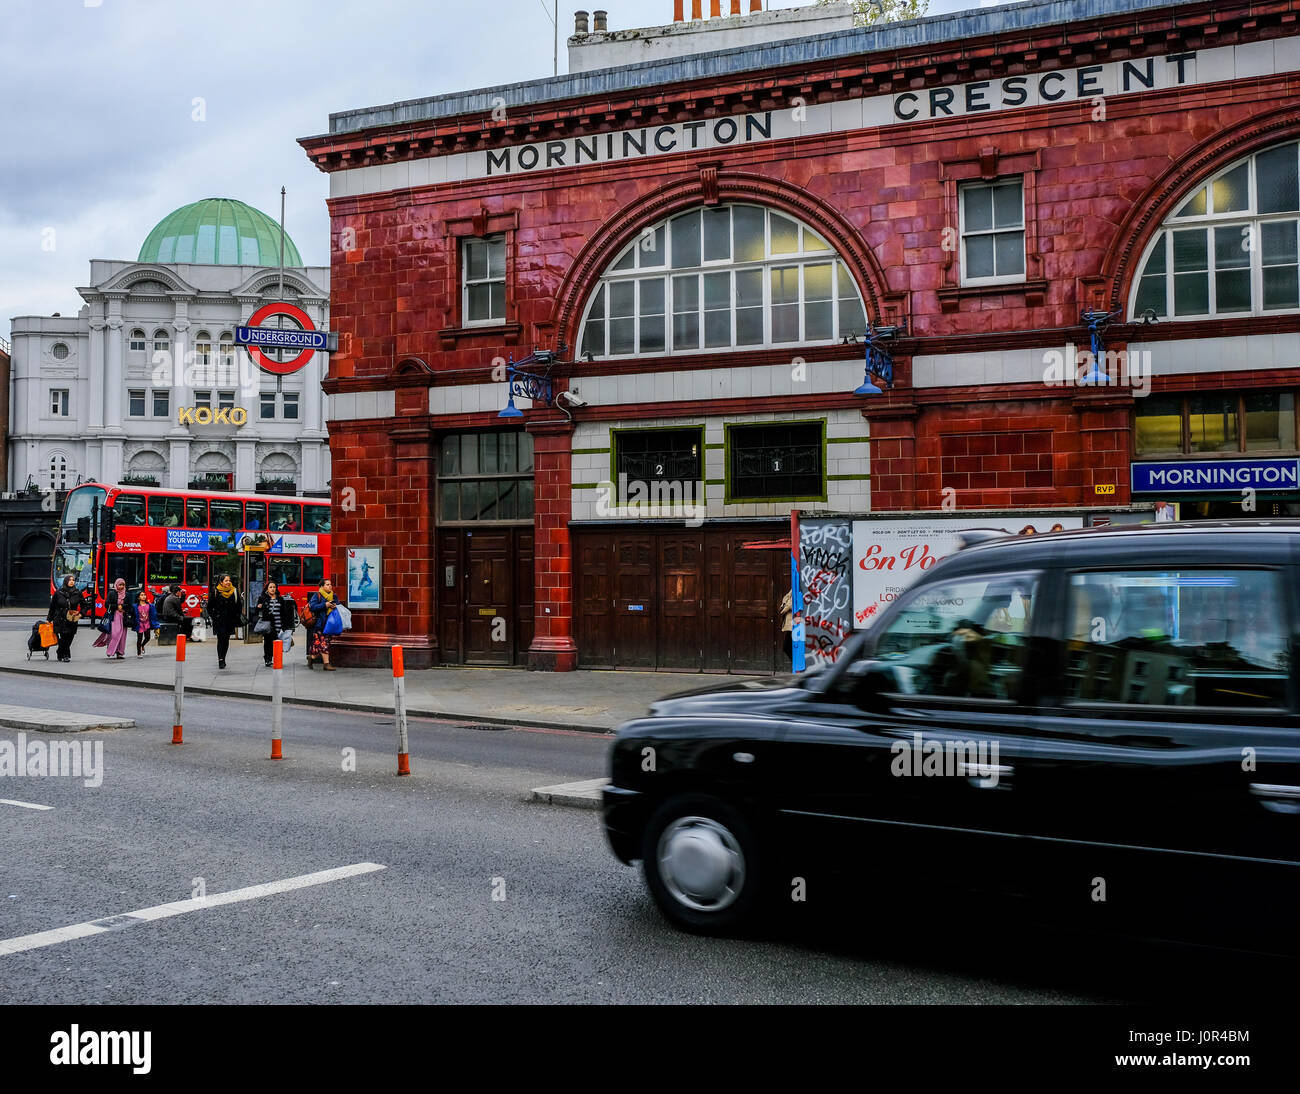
277,671
399,701
180,690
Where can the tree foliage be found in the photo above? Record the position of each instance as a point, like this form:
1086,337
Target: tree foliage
870,13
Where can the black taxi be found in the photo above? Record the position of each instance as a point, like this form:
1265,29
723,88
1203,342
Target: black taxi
1104,718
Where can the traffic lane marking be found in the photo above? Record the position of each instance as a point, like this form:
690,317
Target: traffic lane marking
24,805
180,907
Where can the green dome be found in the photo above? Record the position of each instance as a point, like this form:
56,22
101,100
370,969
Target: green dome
218,232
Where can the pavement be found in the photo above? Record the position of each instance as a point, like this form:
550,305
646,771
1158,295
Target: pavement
582,700
58,721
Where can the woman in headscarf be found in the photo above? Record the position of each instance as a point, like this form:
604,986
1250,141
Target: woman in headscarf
224,607
321,604
65,610
115,611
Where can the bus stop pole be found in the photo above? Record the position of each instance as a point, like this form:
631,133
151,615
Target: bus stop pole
180,690
277,672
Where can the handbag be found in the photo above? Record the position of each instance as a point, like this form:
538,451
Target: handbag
286,637
345,614
333,623
105,627
46,631
263,626
73,616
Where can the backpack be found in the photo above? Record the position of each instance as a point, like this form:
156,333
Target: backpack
305,614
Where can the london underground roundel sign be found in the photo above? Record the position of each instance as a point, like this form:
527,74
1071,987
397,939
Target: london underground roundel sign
301,337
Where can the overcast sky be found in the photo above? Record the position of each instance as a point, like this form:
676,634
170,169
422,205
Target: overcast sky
102,136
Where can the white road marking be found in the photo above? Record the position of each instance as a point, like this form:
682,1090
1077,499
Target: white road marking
24,805
180,907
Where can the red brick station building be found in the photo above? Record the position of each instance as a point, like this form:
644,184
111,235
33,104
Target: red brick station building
698,233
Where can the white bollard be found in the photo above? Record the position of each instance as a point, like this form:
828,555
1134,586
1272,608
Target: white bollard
180,690
277,723
399,702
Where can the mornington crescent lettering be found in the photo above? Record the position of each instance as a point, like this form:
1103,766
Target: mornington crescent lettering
1062,85
630,144
1247,475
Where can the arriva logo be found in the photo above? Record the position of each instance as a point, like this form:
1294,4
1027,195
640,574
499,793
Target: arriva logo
128,545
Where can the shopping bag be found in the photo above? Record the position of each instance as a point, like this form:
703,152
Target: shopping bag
345,615
286,637
199,631
333,622
47,635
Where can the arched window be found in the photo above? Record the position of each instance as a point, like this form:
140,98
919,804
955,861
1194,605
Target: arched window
721,277
1231,248
203,348
137,344
58,472
162,342
226,356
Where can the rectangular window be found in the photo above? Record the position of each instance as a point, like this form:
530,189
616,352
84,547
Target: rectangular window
659,456
255,514
196,570
166,569
1280,256
267,405
226,514
485,476
964,639
196,513
203,398
776,462
316,518
483,283
285,570
161,403
290,406
1188,638
1270,421
59,402
1213,423
129,508
286,516
165,512
313,571
993,232
137,342
1158,425
135,403
225,400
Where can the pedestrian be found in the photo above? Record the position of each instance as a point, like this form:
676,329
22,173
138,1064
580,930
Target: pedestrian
226,609
146,619
173,612
65,610
280,616
321,604
116,610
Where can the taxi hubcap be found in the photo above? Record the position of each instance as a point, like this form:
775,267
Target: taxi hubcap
701,863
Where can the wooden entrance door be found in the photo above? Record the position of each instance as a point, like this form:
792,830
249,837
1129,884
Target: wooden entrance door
485,595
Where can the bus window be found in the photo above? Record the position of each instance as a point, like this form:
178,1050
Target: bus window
227,514
286,517
255,515
165,569
224,564
74,561
313,571
80,503
196,569
165,512
130,568
316,518
196,512
285,571
129,508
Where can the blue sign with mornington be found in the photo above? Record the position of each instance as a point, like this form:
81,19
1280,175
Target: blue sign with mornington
1205,476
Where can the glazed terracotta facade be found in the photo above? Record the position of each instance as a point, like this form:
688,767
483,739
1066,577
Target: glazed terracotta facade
1100,173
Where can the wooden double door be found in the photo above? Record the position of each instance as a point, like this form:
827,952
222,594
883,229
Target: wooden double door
485,595
686,600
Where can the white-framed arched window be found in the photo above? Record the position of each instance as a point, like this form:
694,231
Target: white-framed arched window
58,472
162,342
721,277
137,342
203,349
1232,247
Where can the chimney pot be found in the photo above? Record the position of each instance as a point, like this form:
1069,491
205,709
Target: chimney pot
579,22
735,7
601,21
696,12
679,15
715,8
755,5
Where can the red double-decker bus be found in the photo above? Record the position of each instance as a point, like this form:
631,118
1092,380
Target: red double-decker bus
154,538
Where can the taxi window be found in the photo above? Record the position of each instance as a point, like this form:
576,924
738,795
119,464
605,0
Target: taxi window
964,638
1180,638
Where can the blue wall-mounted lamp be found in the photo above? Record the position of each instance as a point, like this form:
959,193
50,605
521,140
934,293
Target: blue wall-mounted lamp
1096,322
529,385
879,360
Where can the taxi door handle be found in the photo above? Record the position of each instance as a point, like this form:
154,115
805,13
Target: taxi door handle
1277,797
986,776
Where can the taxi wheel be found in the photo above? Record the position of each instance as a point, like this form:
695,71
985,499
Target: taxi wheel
701,864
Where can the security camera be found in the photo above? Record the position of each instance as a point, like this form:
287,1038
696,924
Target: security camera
573,399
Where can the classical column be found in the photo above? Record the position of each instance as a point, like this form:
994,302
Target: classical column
95,375
178,471
553,648
245,465
113,366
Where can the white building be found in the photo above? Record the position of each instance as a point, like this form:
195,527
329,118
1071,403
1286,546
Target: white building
106,395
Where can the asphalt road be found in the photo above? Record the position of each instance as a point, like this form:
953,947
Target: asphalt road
574,925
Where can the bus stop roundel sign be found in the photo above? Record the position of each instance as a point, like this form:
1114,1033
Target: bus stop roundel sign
259,318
